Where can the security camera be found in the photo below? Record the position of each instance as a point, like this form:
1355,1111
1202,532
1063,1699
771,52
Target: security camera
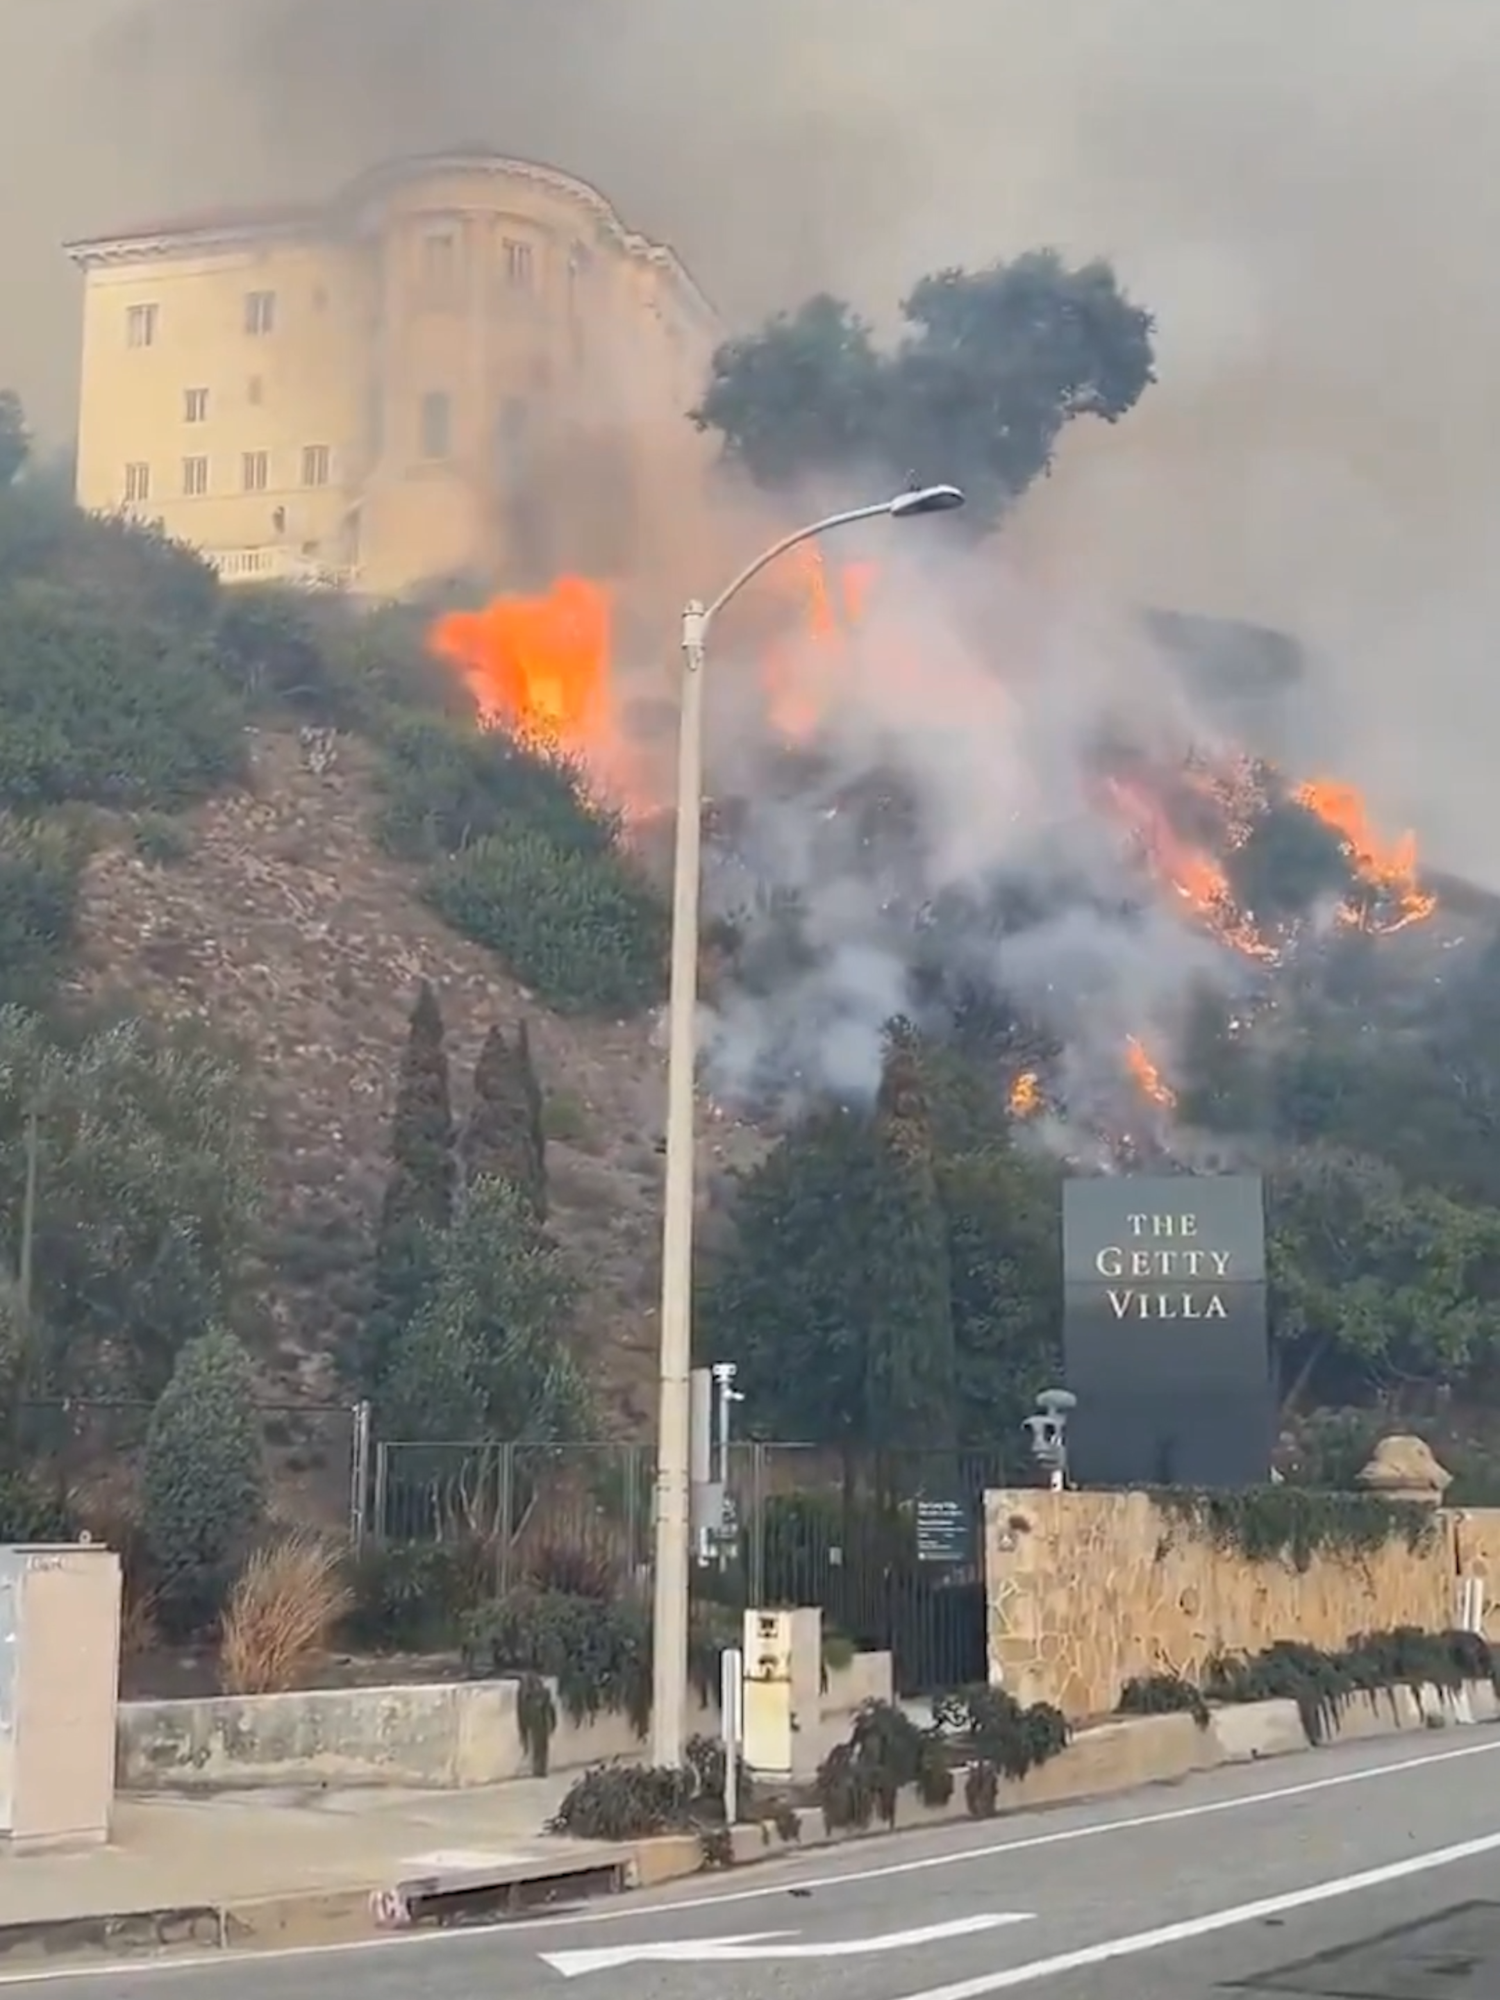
1049,1432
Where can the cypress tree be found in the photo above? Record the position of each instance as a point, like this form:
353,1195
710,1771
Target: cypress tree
418,1204
910,1362
504,1139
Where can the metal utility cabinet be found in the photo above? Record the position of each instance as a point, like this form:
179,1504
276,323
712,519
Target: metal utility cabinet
59,1686
783,1691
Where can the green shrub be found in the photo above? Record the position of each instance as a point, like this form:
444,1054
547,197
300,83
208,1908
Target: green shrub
1162,1694
449,784
122,568
626,1802
204,1478
885,1752
41,875
413,1597
101,710
160,840
31,1512
1322,1683
587,932
599,1654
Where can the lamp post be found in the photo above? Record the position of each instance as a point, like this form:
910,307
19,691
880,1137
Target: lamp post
669,1623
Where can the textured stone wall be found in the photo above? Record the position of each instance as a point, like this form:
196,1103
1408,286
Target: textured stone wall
1087,1590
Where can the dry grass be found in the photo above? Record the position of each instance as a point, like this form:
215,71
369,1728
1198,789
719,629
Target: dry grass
281,1614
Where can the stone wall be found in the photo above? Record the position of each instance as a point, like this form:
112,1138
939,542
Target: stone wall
1087,1590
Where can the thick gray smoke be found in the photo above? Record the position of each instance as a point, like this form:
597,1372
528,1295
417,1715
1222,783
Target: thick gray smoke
1304,195
949,742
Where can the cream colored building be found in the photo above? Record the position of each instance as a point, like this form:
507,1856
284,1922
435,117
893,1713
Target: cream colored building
461,363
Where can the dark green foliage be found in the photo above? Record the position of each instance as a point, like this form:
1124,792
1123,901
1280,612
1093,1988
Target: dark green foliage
536,1719
418,1202
204,1478
32,1512
104,710
412,1597
1297,1524
881,1291
1162,1694
41,874
587,932
105,568
505,1139
911,1368
15,438
885,1753
162,841
996,363
448,784
1373,1664
597,1653
486,1351
626,1802
147,1195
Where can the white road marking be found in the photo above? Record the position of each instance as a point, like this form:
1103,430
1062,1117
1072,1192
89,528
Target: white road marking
633,1909
1217,1920
753,1945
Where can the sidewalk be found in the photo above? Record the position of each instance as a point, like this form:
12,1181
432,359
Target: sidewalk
234,1848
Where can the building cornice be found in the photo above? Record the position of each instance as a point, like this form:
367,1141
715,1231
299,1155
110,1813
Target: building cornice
205,236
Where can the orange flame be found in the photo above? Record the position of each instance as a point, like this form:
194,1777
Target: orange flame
1146,1075
1025,1095
1193,876
537,665
1387,870
832,609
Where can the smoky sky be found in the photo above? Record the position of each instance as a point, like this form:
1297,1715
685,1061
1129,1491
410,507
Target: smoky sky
1306,192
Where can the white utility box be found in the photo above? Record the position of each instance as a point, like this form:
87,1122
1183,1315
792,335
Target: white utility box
59,1688
783,1684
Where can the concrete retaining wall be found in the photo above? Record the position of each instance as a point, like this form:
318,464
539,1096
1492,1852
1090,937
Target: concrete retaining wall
425,1736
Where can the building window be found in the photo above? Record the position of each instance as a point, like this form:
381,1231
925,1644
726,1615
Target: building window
256,471
255,391
195,477
437,424
260,312
137,482
140,326
195,406
440,268
520,269
315,464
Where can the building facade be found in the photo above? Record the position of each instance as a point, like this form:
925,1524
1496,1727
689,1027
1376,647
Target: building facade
462,363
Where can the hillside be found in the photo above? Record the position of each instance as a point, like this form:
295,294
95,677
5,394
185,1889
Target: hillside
284,926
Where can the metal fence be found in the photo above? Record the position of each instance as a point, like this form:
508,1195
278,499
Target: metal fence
889,1545
318,1453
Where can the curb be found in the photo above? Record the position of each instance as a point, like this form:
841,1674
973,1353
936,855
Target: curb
1118,1755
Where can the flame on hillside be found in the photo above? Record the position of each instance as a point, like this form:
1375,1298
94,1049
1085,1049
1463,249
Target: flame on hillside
1146,1076
1190,873
1386,870
1025,1095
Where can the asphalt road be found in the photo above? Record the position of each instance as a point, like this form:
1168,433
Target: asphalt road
1370,1872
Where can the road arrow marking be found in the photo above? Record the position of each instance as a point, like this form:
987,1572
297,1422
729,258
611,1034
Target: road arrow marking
767,1945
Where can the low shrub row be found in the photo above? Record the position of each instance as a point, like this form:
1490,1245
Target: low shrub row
979,1732
1321,1683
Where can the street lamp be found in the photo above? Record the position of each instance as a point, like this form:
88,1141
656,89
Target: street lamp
669,1623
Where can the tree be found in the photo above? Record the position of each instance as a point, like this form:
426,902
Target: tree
911,1392
15,438
994,364
204,1479
147,1189
504,1138
418,1203
487,1354
1373,1280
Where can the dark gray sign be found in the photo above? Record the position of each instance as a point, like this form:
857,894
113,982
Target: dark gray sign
1143,1235
1165,1336
943,1531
